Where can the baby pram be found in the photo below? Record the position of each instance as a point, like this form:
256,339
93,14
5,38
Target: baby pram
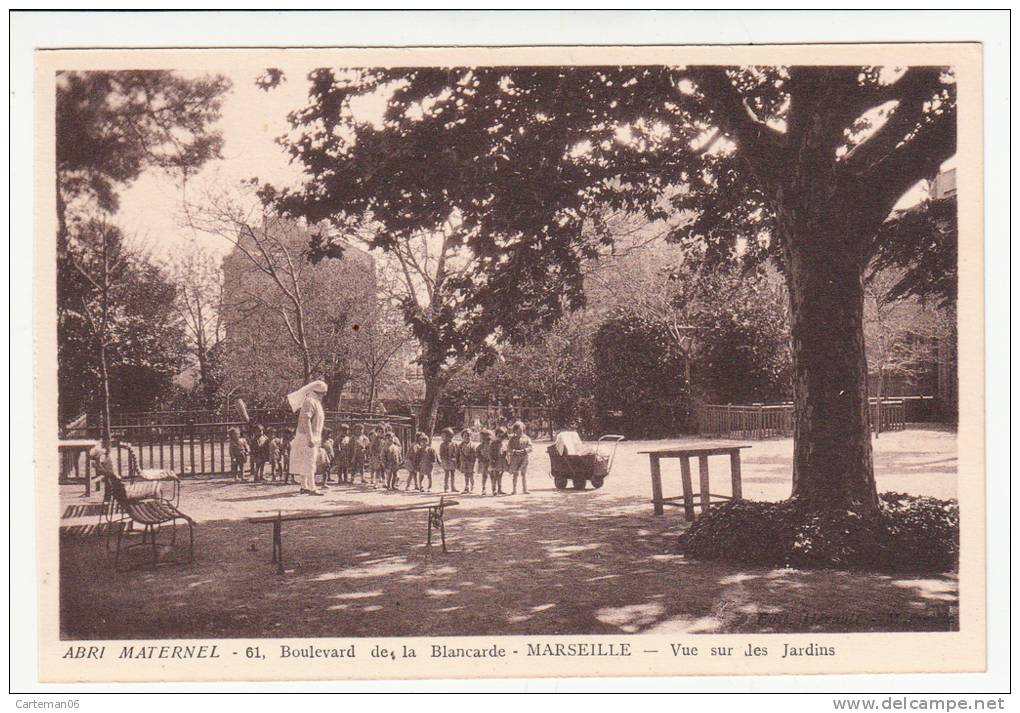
569,461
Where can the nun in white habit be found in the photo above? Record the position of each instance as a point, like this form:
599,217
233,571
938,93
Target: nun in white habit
306,402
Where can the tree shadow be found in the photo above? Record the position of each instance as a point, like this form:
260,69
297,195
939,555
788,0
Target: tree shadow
515,566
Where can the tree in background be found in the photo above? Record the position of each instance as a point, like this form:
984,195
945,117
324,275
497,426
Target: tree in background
551,370
921,245
198,278
110,127
437,277
808,160
119,341
639,384
286,319
728,322
742,338
900,331
378,342
918,247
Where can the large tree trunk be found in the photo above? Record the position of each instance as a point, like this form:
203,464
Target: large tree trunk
832,463
337,382
434,385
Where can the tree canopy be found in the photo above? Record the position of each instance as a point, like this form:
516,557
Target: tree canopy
531,160
113,125
526,166
135,322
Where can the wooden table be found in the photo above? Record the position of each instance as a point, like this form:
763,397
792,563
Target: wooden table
70,452
704,496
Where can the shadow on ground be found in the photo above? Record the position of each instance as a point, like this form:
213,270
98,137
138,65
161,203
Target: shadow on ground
557,563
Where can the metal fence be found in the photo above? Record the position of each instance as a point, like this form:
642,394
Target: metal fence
771,420
193,448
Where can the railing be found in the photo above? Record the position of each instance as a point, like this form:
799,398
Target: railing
192,449
770,420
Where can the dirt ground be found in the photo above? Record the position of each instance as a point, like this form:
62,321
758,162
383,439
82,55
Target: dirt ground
551,562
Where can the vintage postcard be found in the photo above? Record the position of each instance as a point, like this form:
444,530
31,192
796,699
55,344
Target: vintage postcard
509,362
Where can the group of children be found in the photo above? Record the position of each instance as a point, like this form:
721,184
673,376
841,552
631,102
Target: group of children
377,457
262,447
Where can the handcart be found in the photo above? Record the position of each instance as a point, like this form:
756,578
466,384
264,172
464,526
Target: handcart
571,463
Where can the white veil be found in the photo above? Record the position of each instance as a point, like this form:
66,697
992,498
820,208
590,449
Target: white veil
296,398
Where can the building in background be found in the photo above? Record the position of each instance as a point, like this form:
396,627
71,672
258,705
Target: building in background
284,315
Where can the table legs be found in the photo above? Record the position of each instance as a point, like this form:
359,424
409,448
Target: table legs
704,496
656,483
688,486
737,493
703,484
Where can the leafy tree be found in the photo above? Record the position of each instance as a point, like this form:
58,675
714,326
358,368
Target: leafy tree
729,323
524,163
551,369
742,339
920,244
639,378
111,126
119,340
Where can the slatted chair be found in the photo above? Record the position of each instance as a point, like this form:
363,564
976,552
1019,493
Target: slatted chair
138,484
151,513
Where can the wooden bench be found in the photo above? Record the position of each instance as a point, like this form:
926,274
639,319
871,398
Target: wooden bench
704,496
435,520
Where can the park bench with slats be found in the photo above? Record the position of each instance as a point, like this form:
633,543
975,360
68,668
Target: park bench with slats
151,513
435,521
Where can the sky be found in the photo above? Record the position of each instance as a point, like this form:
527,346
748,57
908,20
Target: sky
252,119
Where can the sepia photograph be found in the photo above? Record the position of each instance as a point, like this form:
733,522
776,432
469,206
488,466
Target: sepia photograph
600,354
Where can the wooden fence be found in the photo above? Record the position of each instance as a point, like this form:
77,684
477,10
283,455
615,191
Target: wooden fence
771,420
192,449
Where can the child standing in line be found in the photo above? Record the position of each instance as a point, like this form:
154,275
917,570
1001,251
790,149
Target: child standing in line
259,453
497,461
383,443
426,461
275,454
517,456
373,453
239,452
343,441
327,454
388,437
411,463
391,460
466,456
448,460
482,454
358,445
253,447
